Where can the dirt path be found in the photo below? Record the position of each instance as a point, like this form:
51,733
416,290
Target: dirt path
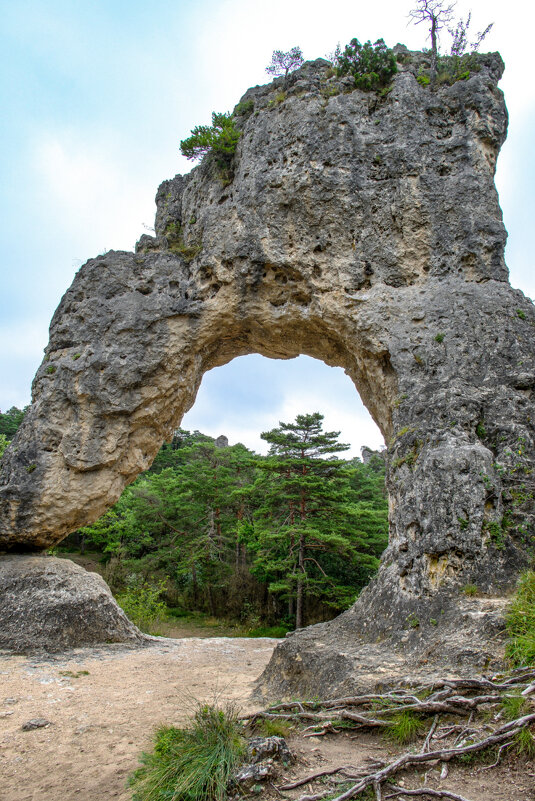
104,704
103,719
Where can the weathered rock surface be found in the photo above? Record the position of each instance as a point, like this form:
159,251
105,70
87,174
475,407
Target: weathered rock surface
49,604
378,645
362,231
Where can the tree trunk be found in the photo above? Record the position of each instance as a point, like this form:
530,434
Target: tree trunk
299,617
434,49
195,586
211,604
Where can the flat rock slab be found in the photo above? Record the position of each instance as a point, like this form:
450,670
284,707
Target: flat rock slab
49,604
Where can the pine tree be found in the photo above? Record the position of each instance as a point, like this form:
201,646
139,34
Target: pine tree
304,513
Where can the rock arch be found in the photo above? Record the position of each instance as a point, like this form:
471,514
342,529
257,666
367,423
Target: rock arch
364,232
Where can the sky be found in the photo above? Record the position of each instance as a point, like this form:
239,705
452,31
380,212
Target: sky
96,96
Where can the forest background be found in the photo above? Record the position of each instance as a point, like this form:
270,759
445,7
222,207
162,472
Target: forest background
277,541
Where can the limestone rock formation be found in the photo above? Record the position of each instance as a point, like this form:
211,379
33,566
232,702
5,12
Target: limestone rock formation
49,604
361,230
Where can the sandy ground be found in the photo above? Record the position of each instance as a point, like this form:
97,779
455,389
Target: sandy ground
100,721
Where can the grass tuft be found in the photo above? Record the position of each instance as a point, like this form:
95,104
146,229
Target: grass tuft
194,763
273,728
524,744
404,728
520,622
514,706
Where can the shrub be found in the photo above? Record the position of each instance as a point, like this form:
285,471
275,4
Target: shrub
244,108
4,442
372,66
194,763
141,602
470,589
284,62
520,622
176,243
220,138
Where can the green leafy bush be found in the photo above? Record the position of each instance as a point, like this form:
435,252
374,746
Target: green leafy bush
520,622
141,602
372,66
194,763
219,138
244,108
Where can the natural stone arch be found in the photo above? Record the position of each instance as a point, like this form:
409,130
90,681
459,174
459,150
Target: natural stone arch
361,231
103,408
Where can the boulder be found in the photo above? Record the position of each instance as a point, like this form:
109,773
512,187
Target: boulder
50,604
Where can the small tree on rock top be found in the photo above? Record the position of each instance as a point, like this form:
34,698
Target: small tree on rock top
282,63
437,14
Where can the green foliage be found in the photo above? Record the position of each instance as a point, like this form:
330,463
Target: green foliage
481,431
520,623
524,743
141,602
470,589
497,533
451,69
329,91
424,80
279,98
514,706
175,239
4,442
521,314
403,728
308,541
11,420
413,622
268,631
50,370
214,522
372,66
220,138
195,763
439,338
244,109
283,63
272,728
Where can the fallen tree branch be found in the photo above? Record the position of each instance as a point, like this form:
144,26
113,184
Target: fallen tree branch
502,734
425,791
318,775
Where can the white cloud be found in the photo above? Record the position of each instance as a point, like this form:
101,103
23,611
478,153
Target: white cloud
94,193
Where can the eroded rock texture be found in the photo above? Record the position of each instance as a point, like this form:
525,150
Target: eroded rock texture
49,604
362,231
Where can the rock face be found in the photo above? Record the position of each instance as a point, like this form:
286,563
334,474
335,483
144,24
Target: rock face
49,604
360,230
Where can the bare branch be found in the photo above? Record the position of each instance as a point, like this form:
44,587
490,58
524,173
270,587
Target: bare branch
425,791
